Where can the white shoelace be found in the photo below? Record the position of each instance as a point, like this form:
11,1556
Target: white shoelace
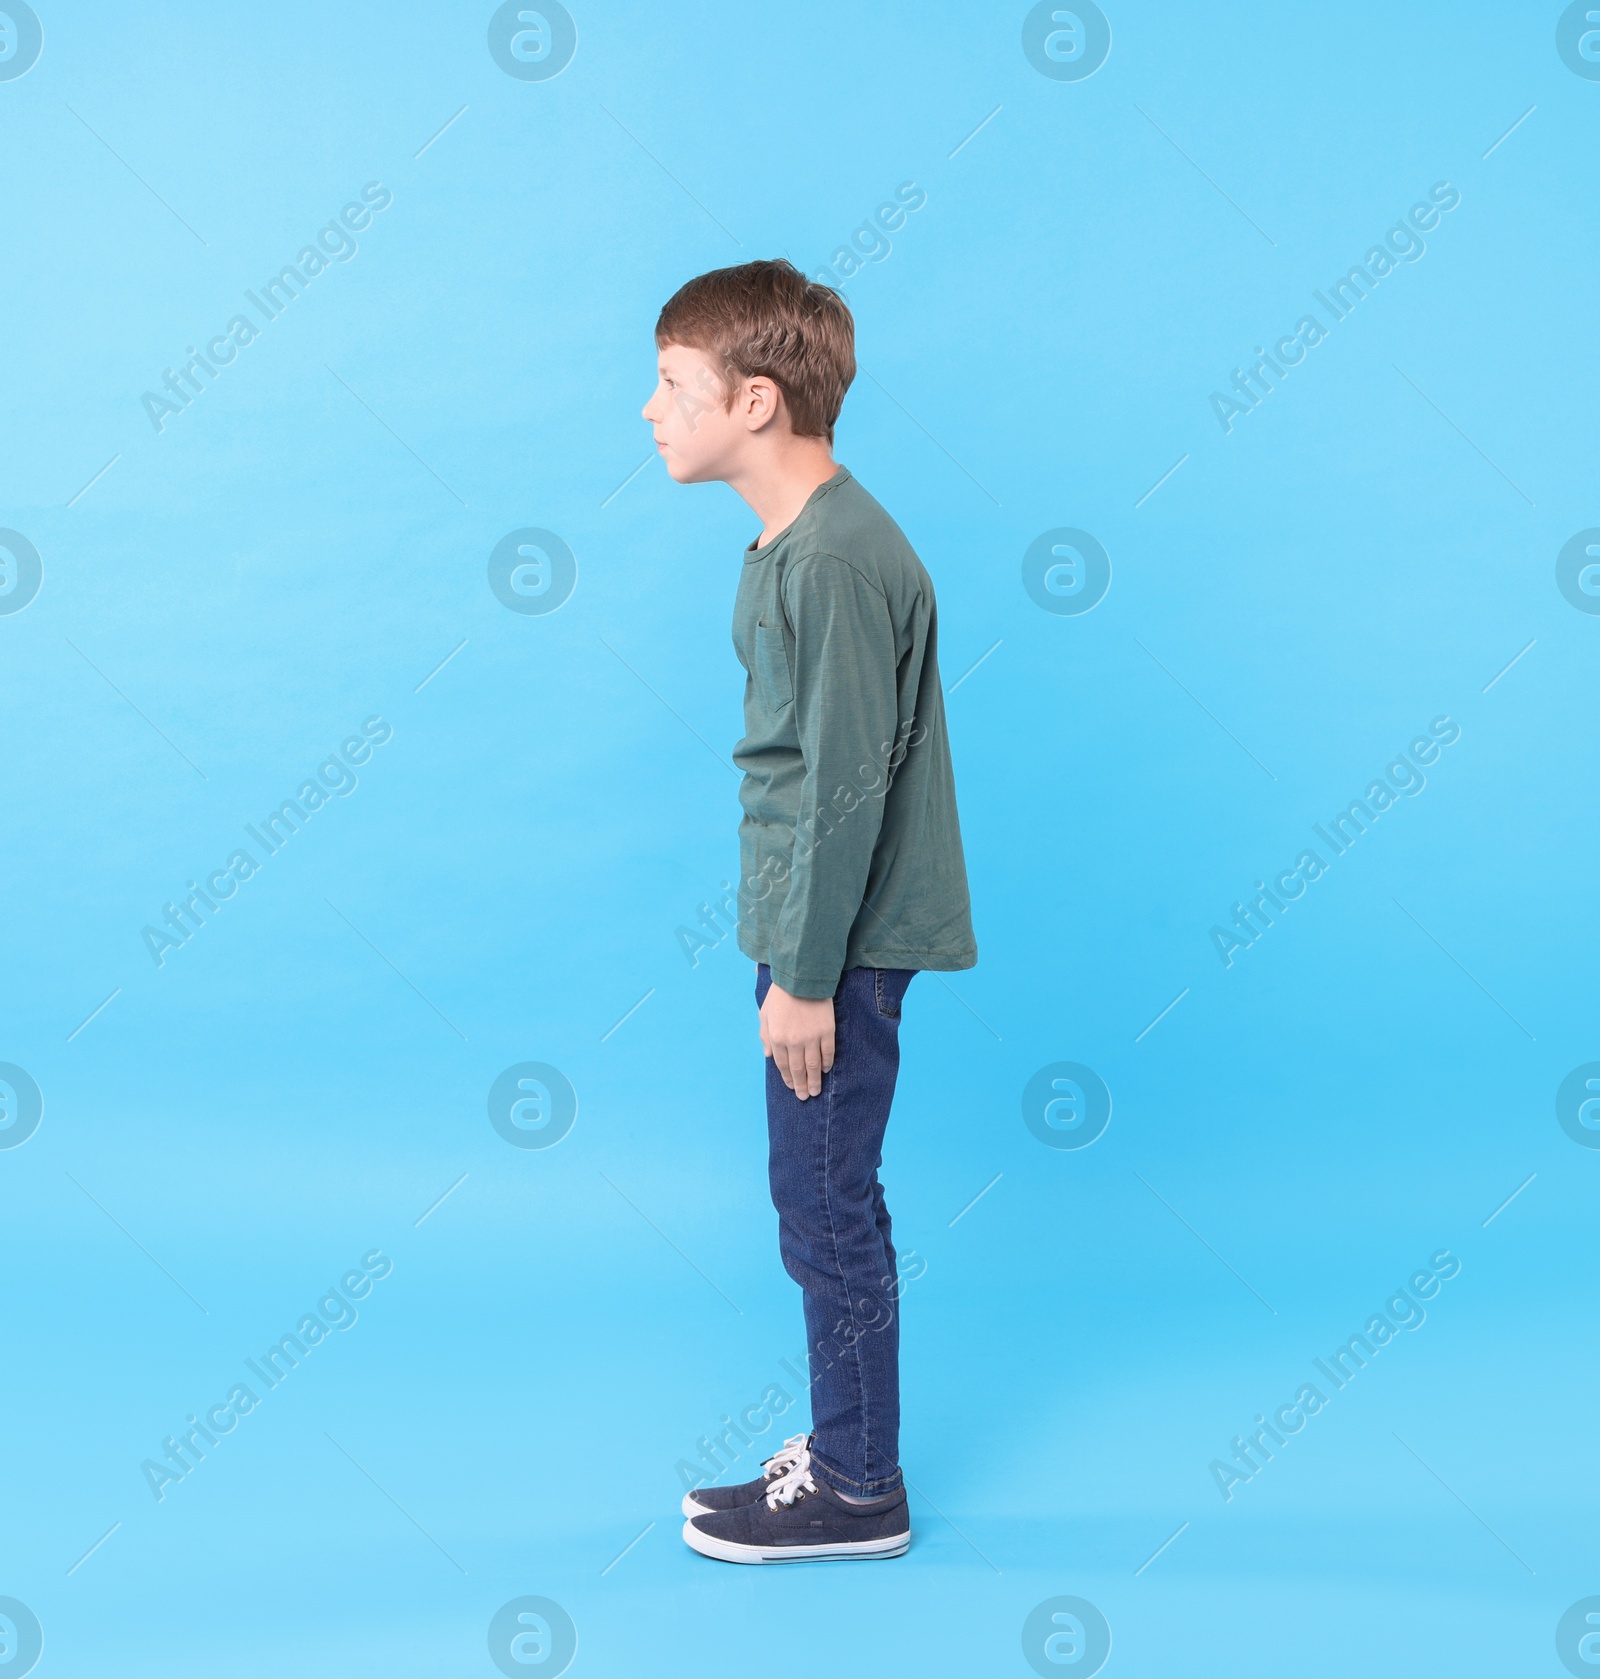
788,1455
794,1482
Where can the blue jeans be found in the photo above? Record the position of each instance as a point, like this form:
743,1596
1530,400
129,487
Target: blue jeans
833,1231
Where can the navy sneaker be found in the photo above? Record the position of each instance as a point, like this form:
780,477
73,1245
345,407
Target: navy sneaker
707,1501
802,1519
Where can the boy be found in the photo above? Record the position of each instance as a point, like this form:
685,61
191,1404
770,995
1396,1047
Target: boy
851,871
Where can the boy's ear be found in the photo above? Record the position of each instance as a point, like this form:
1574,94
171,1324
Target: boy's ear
759,402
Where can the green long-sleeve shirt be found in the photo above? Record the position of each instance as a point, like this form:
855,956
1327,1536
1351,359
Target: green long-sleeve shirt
850,848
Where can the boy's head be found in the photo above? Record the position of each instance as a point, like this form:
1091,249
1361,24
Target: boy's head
745,352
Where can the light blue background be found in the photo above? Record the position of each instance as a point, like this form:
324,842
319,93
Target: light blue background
1287,610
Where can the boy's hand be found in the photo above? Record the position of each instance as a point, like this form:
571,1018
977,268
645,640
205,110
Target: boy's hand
797,1032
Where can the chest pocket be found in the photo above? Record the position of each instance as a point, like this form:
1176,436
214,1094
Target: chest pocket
772,667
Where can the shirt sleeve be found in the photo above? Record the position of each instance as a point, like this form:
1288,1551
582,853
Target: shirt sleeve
845,717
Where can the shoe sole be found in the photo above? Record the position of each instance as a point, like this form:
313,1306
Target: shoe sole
725,1550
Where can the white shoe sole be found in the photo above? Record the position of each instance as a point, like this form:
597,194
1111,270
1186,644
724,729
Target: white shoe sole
725,1550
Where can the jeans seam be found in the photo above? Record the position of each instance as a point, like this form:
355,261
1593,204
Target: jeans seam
850,1309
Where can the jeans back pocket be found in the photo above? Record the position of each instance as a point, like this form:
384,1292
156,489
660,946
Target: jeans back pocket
889,987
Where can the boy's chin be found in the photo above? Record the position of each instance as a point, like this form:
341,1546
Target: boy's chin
687,472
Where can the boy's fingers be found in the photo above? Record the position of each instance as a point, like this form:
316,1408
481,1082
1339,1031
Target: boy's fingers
827,1053
797,1078
813,1073
780,1060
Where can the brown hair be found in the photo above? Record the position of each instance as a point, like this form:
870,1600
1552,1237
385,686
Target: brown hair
767,318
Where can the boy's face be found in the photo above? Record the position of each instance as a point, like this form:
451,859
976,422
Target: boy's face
696,434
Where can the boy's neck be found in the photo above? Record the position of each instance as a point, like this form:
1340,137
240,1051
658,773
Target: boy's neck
777,484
